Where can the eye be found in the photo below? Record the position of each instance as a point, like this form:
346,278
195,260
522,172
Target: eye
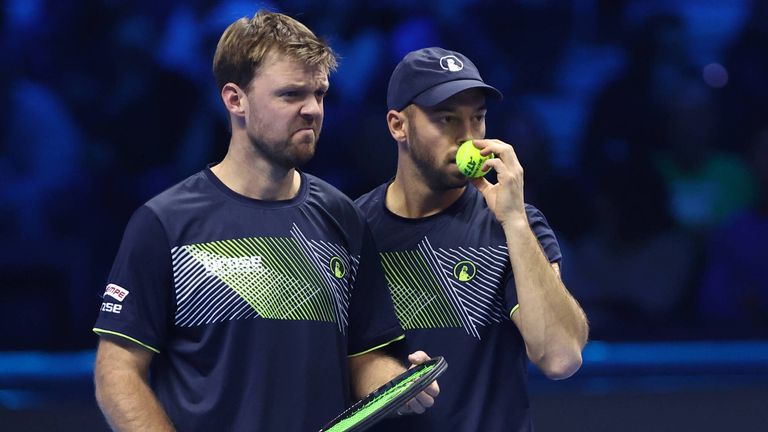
289,94
446,119
320,94
479,117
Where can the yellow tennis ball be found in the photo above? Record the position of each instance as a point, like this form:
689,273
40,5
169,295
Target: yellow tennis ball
470,161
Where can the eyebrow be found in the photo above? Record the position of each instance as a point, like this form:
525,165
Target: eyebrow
296,86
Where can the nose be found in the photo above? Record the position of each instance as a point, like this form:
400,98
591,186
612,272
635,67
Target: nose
465,131
312,108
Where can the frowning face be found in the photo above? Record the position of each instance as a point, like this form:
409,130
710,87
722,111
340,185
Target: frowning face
285,116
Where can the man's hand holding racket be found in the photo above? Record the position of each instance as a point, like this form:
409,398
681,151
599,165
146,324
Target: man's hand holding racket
413,391
426,398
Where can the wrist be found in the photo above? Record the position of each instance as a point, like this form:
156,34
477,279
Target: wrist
515,222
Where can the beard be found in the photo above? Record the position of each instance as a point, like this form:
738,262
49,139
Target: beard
435,173
292,153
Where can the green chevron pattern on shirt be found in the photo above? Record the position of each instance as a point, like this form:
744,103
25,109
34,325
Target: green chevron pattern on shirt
419,300
273,275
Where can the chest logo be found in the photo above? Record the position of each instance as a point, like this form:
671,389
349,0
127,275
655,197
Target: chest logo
464,271
337,267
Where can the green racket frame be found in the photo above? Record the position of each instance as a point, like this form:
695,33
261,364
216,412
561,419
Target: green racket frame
366,412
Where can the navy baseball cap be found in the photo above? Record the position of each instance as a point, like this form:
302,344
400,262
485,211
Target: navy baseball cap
429,76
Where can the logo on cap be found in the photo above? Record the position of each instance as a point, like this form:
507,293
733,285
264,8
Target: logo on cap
451,63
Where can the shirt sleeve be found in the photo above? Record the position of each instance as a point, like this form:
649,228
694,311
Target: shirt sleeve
137,300
372,320
549,245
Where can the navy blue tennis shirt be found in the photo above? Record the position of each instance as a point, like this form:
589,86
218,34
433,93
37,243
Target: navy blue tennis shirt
252,307
452,285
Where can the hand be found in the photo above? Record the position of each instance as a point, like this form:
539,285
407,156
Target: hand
505,198
426,398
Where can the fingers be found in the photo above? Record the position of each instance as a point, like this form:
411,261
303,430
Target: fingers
481,183
421,402
506,165
424,400
499,148
493,163
433,389
407,408
418,357
483,145
417,405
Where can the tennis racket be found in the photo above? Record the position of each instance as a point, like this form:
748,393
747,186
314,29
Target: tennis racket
387,398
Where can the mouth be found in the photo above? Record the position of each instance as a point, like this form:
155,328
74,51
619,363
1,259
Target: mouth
305,130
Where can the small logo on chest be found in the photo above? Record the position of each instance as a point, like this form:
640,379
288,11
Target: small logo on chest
464,271
337,267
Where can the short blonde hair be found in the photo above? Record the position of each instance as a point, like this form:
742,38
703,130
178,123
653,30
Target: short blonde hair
246,43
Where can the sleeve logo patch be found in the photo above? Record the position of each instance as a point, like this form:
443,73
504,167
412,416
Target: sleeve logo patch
116,291
111,307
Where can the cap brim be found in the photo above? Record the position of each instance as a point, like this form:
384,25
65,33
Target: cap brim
443,91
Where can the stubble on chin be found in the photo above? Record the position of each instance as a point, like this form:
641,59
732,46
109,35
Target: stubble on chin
288,154
303,151
440,178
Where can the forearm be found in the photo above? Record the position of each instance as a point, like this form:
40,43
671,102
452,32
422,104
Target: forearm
551,322
120,378
370,371
128,403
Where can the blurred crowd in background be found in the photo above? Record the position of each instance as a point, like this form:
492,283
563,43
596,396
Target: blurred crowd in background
642,127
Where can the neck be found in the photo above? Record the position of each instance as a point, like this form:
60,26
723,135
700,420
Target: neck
251,175
413,198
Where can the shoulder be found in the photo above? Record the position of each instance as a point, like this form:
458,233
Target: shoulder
327,195
544,233
534,214
327,201
322,188
537,221
368,202
177,196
